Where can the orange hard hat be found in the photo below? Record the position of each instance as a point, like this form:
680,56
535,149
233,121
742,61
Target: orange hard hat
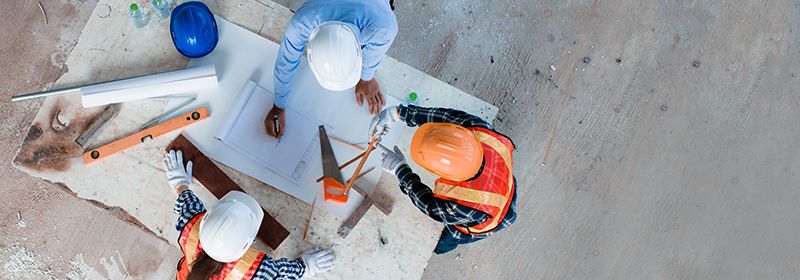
448,150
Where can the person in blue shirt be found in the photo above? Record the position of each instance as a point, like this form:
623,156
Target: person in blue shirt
344,41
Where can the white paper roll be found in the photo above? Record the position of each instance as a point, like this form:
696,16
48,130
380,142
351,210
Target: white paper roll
168,83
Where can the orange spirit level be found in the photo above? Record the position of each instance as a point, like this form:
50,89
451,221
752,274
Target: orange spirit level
149,133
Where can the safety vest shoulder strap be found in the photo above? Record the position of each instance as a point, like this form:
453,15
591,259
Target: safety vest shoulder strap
490,138
190,238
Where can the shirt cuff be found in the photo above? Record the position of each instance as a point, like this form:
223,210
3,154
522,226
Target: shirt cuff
281,101
367,74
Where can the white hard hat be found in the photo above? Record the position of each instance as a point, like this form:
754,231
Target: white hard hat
228,230
334,55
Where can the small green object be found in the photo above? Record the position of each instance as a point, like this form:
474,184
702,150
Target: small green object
412,96
134,7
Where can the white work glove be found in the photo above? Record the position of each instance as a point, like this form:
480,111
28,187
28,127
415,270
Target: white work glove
391,159
177,174
317,260
381,122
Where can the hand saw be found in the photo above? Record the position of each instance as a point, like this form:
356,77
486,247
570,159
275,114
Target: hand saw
137,138
332,181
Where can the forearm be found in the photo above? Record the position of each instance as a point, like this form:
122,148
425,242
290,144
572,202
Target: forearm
280,269
416,116
373,56
187,206
287,62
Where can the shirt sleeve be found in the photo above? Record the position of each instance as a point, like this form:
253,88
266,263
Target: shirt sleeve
288,60
443,211
416,116
187,206
374,51
280,269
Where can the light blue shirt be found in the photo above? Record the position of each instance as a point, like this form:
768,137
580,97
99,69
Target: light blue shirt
372,19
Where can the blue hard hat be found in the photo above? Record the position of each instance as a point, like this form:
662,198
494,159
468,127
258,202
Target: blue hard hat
193,29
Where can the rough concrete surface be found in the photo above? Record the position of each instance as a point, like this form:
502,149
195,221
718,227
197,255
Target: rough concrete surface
46,232
655,168
671,154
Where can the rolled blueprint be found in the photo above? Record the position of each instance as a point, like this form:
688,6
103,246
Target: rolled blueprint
175,82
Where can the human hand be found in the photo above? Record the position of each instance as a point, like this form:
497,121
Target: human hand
380,123
275,115
317,260
177,174
391,159
371,91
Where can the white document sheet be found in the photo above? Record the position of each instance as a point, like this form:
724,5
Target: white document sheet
242,56
244,131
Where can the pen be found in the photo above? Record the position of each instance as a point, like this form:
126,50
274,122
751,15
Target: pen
277,125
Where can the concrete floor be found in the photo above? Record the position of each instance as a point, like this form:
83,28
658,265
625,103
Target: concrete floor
654,168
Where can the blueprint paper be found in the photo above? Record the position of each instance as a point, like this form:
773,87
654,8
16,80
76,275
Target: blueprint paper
244,131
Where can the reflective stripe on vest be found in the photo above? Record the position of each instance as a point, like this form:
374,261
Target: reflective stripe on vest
189,240
456,191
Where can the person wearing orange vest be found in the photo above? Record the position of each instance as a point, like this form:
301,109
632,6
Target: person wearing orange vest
475,195
217,244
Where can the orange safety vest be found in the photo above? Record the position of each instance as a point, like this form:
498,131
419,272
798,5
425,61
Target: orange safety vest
189,241
492,191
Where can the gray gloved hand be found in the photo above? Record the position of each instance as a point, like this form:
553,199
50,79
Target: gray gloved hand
391,159
177,174
381,122
317,260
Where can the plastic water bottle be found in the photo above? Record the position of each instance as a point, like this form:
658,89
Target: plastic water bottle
411,99
138,15
163,8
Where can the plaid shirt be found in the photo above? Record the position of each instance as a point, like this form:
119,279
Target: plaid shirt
188,205
448,212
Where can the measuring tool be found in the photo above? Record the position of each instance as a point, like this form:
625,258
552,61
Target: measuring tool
154,121
370,148
149,133
87,137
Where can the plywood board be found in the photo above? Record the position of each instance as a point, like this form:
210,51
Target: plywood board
396,246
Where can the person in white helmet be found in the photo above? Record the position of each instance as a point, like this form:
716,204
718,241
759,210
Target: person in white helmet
344,41
217,244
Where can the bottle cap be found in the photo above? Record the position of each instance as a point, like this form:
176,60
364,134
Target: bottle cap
412,96
134,7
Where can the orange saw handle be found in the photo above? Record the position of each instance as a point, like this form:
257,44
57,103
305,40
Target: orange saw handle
137,138
331,184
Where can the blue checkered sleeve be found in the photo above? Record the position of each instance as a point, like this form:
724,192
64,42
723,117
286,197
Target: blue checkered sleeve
280,269
187,206
441,210
416,116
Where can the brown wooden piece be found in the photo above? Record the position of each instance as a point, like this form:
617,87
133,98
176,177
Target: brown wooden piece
219,184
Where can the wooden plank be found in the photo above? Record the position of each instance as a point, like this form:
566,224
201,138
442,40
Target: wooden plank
219,184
